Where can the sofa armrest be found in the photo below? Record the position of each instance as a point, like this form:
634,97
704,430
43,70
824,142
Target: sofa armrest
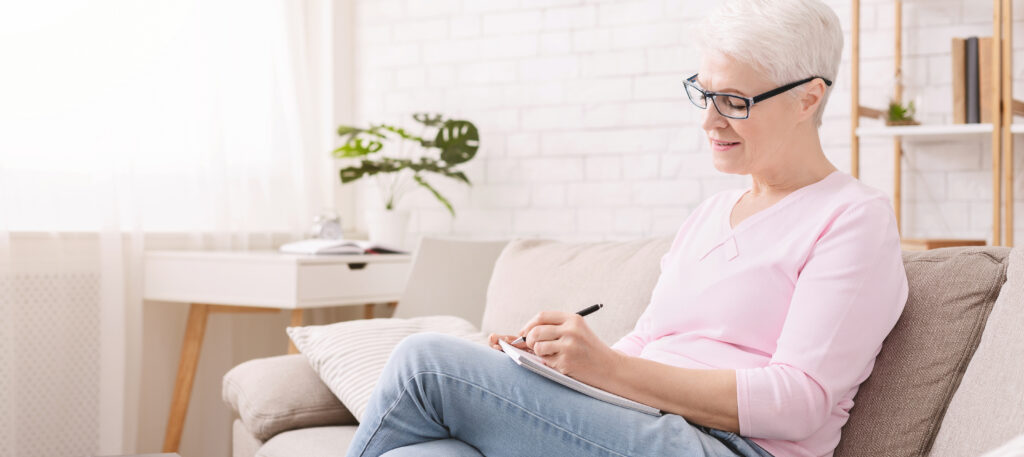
281,393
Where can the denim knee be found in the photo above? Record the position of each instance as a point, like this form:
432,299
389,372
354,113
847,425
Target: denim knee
428,351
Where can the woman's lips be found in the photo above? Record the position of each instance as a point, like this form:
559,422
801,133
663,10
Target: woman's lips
723,145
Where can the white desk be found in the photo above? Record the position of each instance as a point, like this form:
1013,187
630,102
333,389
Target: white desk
260,282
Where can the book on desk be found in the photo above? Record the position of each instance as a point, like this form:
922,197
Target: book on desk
317,246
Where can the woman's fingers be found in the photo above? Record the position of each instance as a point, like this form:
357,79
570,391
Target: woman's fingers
546,348
545,318
542,333
493,338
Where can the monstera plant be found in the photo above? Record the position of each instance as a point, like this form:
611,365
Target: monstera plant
400,159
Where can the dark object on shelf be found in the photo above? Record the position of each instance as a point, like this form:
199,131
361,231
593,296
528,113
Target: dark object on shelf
973,94
987,84
973,88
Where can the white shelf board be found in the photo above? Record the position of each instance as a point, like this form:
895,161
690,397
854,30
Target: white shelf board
1016,128
927,131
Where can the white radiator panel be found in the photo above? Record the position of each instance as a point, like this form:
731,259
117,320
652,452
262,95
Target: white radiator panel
50,364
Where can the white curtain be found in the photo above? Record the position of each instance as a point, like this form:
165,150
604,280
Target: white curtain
122,121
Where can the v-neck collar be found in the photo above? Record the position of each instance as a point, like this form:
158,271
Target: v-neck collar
729,232
785,201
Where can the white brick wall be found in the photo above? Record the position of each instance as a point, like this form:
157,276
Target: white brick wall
587,134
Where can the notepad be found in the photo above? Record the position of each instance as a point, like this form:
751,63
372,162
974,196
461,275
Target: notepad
535,364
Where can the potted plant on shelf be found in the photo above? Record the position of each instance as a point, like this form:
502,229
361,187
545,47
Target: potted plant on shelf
900,114
399,161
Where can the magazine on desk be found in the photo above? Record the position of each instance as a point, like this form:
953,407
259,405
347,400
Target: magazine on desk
318,246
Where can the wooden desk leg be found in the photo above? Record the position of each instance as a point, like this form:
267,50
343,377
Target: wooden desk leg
193,342
296,322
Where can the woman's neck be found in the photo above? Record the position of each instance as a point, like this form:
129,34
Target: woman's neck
805,164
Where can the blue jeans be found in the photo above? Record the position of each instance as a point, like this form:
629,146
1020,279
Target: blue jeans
444,396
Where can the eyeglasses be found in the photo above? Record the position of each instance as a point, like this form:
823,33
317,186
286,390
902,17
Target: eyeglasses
735,106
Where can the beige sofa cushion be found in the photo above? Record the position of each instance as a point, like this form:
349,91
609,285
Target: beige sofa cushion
1012,448
310,442
281,393
538,275
243,444
898,409
988,408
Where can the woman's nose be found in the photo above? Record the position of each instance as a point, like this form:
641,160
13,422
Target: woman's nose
713,119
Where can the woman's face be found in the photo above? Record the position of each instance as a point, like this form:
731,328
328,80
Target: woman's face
758,144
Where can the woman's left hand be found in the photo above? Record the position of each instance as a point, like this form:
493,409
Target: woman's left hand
566,343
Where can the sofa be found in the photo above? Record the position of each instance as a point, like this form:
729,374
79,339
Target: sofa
948,381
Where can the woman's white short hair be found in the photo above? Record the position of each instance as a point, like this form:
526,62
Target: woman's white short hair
788,40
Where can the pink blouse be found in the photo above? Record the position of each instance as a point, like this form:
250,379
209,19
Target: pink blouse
797,299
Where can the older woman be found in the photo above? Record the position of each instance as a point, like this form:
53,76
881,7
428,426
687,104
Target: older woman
772,303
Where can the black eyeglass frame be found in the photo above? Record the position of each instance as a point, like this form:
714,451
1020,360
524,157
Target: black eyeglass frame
748,101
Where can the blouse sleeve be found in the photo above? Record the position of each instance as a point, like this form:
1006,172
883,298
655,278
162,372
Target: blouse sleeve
847,298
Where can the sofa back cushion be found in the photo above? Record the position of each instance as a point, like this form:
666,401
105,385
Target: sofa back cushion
449,277
539,275
898,409
988,408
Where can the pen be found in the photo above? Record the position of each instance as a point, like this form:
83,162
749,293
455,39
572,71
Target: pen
582,312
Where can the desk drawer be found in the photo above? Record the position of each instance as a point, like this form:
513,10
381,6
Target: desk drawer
351,282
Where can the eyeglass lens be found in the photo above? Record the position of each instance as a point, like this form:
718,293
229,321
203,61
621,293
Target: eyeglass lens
727,105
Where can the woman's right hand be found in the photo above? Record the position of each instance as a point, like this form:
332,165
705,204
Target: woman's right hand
494,337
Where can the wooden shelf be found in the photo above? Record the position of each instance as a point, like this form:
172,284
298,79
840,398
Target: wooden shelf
1002,105
927,131
924,244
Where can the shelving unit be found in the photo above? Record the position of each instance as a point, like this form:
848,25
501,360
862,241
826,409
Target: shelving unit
1001,132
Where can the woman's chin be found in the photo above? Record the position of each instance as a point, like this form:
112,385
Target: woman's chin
727,166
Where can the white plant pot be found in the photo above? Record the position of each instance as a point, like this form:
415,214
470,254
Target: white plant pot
388,227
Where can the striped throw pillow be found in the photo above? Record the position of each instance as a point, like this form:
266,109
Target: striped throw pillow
350,356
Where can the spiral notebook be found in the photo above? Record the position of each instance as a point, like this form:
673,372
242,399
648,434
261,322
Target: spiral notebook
535,364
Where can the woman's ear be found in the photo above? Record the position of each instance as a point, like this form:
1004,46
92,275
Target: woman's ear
811,98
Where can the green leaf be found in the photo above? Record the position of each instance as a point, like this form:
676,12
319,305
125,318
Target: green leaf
348,130
350,174
458,141
369,168
455,174
402,133
434,191
898,112
427,119
432,165
350,133
357,148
